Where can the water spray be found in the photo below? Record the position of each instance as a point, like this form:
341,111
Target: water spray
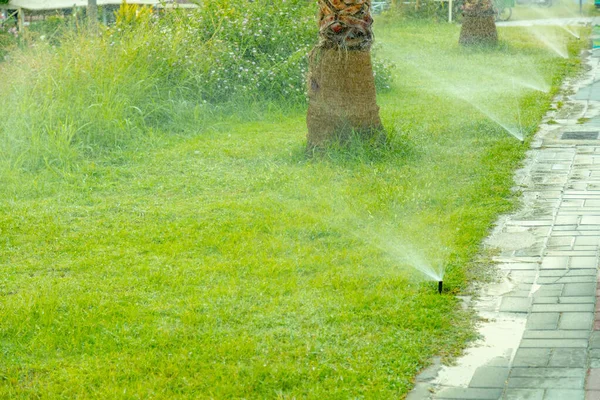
519,114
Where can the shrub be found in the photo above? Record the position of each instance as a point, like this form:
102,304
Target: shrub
88,95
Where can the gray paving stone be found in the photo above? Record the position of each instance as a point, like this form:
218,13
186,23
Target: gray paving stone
594,358
588,240
489,377
532,357
570,272
565,300
499,362
548,373
584,262
566,279
548,293
548,308
577,300
556,334
519,293
419,392
553,343
555,263
568,229
595,340
546,300
468,394
570,253
515,304
568,358
546,383
577,320
540,321
590,219
584,249
563,240
524,394
519,266
579,289
561,394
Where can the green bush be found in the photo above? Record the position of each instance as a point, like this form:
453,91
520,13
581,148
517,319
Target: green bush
87,95
235,50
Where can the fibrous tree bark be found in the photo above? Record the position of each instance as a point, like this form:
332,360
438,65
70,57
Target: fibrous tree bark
478,26
341,85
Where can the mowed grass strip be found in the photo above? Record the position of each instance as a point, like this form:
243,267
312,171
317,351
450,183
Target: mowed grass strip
223,262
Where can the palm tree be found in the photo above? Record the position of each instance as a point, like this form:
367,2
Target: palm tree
341,86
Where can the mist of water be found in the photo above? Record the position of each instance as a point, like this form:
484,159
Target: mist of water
412,257
466,94
550,41
569,12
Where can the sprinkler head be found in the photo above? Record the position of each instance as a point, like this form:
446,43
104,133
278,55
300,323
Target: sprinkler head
440,286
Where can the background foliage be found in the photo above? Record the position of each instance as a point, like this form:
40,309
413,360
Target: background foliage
77,95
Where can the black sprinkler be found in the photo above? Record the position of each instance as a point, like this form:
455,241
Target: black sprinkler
440,286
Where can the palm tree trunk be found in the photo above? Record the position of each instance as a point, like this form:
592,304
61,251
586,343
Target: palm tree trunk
479,26
341,86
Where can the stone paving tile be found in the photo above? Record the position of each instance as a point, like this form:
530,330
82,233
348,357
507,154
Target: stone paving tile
524,394
588,241
532,357
419,392
568,358
519,266
563,343
548,308
579,289
584,262
546,382
515,304
581,321
555,263
590,219
571,272
566,279
562,240
565,300
569,253
560,394
594,358
468,394
489,377
548,373
556,334
595,340
541,321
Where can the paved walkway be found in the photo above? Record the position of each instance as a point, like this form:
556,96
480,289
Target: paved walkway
542,341
573,21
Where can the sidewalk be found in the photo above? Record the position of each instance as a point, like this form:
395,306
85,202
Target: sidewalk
542,338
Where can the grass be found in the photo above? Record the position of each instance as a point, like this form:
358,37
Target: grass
558,9
214,259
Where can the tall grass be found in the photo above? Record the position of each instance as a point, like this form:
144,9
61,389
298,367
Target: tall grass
73,96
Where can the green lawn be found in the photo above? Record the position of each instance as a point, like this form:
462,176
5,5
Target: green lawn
222,262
